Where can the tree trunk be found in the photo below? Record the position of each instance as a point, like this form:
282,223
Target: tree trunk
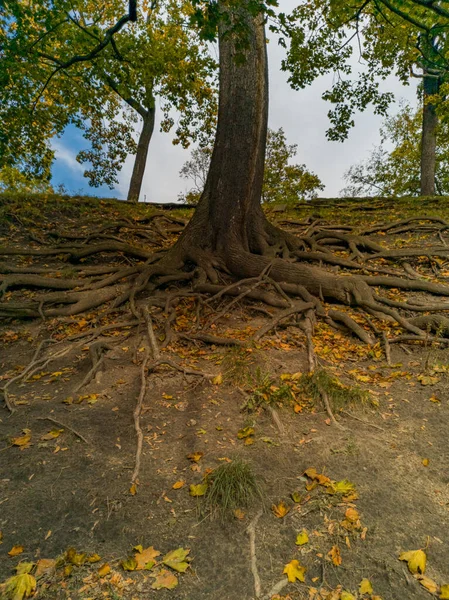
140,161
428,137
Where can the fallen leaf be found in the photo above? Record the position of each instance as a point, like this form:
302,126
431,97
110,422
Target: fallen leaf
239,514
433,398
218,379
428,379
341,487
145,558
104,570
44,566
416,560
302,538
296,497
427,583
176,559
129,564
195,456
133,489
15,551
444,592
294,571
93,558
321,479
280,510
346,596
198,490
245,432
22,441
352,515
51,435
178,485
20,586
334,554
425,462
75,558
165,580
249,441
365,587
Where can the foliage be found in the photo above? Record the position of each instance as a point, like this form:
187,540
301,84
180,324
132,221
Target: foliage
283,182
14,180
231,486
396,172
103,96
339,394
387,36
265,392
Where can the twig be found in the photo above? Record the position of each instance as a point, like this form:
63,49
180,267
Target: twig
327,405
278,587
387,347
252,549
362,421
78,435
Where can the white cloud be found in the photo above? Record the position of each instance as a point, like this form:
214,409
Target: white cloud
67,157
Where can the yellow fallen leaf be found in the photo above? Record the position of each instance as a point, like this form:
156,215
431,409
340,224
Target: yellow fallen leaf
365,587
145,558
249,441
318,477
334,554
245,432
165,580
296,497
22,441
427,583
198,490
75,558
104,570
444,592
302,538
416,560
133,489
341,487
176,560
15,551
352,515
280,510
178,485
294,571
239,514
346,596
218,379
20,586
195,456
51,435
93,558
44,566
425,462
129,564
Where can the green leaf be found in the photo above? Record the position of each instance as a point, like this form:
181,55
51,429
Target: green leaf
176,559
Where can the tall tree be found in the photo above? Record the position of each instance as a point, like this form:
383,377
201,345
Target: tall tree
407,38
116,87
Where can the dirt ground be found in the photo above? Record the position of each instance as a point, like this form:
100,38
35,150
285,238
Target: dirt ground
67,455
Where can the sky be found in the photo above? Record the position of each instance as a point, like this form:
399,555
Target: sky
302,114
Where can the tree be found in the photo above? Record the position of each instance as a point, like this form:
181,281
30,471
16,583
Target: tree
116,87
407,38
282,181
396,172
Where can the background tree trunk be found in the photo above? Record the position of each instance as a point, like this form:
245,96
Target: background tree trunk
429,137
140,161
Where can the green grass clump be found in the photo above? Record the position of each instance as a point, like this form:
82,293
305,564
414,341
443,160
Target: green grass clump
340,395
267,392
232,485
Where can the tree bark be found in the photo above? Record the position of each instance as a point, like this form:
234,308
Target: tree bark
140,161
429,137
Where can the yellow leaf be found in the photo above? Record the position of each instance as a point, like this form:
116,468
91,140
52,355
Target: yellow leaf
93,558
75,558
20,586
245,432
239,514
365,587
176,560
129,564
22,441
280,510
294,571
249,441
165,580
296,497
145,558
427,583
51,435
346,596
444,592
334,554
198,490
24,567
321,479
425,462
133,489
178,485
218,379
104,570
15,551
302,538
416,560
195,456
341,487
352,515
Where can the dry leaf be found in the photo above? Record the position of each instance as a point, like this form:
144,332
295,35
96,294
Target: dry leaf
427,583
425,462
296,497
145,558
321,479
416,560
104,570
133,489
44,566
178,485
15,551
165,580
245,432
176,559
198,490
129,564
51,435
280,510
75,558
365,587
93,558
19,587
195,456
346,596
444,592
239,514
334,554
294,571
22,441
218,379
302,538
